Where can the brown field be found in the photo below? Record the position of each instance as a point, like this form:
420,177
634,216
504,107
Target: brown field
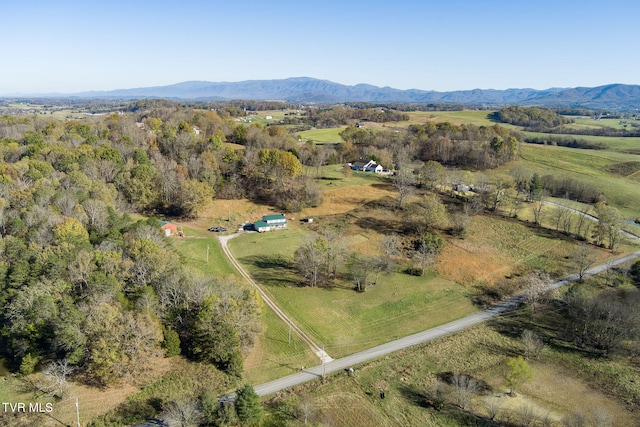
92,401
342,200
409,376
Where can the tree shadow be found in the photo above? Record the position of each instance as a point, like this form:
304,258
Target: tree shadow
272,270
416,397
384,226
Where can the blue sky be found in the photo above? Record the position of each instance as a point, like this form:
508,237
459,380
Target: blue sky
71,46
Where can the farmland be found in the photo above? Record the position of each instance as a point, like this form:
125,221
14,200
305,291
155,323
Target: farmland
431,255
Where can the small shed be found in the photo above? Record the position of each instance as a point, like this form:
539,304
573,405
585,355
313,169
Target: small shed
169,228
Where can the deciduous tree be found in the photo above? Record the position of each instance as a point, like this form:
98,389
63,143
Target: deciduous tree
517,372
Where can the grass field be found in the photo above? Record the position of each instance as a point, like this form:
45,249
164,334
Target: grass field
474,117
586,165
346,321
338,317
409,380
330,135
194,248
630,145
590,123
276,353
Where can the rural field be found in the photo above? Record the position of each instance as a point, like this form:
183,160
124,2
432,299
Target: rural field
495,250
414,379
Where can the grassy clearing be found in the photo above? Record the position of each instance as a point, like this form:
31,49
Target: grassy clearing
274,356
322,135
474,117
93,401
194,248
338,317
626,145
497,247
332,177
585,165
409,379
590,123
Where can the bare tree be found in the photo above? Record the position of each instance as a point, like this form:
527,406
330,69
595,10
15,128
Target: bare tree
583,226
536,284
533,345
464,388
404,181
584,257
361,267
560,214
493,404
55,380
537,210
306,409
183,413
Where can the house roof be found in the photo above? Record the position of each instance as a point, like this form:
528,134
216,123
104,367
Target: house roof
366,162
260,224
272,217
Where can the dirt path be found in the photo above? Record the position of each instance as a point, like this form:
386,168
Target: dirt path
329,366
319,351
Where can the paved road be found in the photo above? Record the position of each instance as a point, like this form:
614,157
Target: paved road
430,334
592,218
328,366
421,337
319,351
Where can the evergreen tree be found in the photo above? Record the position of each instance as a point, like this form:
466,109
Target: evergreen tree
248,405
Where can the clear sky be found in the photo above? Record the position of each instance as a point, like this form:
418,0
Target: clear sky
69,46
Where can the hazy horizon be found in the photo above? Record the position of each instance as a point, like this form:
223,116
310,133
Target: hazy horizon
71,47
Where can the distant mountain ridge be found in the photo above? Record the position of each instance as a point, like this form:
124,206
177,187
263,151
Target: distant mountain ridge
311,90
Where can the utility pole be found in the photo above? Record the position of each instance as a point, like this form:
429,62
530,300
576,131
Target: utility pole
77,413
323,354
289,331
207,254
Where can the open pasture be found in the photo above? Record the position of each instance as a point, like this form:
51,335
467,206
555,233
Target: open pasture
474,117
595,167
411,380
336,316
623,145
582,122
323,136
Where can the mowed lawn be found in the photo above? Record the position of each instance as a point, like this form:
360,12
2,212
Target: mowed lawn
322,135
338,317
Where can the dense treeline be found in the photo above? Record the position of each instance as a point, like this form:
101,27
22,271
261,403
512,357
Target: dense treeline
565,141
600,131
343,115
81,281
465,145
531,117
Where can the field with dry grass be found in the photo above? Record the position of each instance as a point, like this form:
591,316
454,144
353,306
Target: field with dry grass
411,380
92,401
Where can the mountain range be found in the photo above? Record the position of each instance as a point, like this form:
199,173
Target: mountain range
309,90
